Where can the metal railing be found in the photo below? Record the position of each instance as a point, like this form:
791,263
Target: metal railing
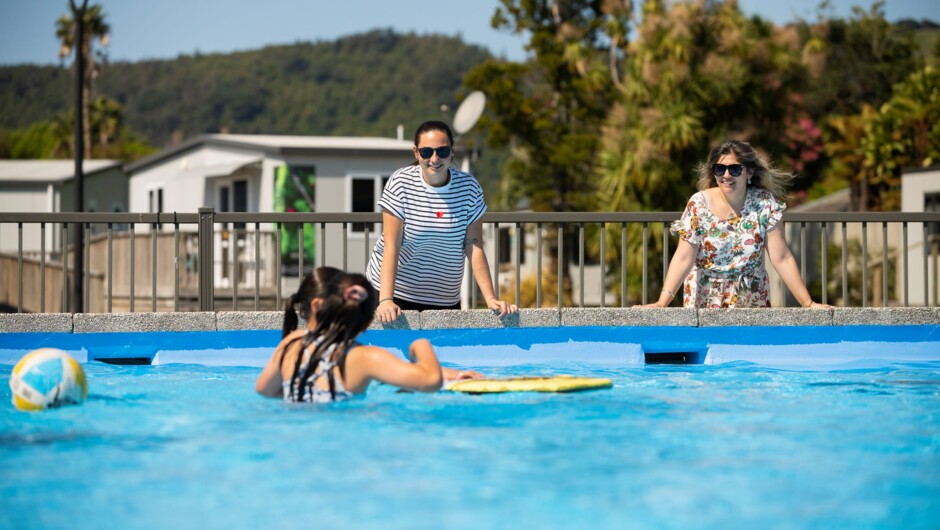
211,260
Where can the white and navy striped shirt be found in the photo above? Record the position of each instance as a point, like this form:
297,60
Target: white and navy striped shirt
431,259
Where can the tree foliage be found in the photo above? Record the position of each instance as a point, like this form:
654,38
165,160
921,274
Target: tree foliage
697,73
549,110
856,61
360,85
904,133
363,84
94,28
109,136
636,119
591,121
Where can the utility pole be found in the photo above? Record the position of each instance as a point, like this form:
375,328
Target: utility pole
78,16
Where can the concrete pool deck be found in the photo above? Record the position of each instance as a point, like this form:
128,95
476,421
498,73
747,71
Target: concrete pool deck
478,319
622,337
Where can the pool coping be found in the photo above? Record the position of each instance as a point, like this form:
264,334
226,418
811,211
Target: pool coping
477,319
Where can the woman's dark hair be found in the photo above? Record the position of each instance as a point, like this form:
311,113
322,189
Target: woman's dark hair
347,305
765,175
434,125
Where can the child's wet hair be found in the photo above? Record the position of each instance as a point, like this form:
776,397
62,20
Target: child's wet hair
347,305
338,308
297,306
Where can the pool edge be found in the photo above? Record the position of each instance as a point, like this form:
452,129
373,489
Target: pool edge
477,319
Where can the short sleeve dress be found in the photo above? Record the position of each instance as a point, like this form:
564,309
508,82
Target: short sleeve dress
729,268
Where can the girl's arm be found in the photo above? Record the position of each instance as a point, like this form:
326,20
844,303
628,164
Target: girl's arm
782,260
269,383
679,267
367,363
481,270
392,230
452,374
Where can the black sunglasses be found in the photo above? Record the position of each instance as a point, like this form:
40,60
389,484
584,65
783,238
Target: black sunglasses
734,169
426,152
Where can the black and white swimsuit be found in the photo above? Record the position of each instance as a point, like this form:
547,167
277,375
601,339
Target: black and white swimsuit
312,393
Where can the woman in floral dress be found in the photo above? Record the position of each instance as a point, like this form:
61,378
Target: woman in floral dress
724,231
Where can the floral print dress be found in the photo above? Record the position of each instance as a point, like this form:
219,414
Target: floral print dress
729,268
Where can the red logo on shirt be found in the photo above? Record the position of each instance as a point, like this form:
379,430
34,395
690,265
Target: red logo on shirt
440,214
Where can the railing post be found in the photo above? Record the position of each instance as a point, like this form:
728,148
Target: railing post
258,265
580,265
65,267
646,233
561,263
277,263
884,264
132,235
824,235
86,246
153,265
538,265
495,261
864,263
518,261
845,268
906,270
623,265
110,267
603,233
206,259
176,264
42,268
19,269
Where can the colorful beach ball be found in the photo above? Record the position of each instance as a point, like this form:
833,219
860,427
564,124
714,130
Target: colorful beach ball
47,378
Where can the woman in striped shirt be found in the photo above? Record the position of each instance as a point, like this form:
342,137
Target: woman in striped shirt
431,220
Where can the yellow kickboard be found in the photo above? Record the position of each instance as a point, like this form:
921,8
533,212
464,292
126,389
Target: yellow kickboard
557,383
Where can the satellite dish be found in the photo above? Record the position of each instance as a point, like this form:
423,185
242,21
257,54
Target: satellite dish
469,112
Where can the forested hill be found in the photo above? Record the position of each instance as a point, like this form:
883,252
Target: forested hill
363,84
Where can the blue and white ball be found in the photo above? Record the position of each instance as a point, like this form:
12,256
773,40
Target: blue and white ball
47,378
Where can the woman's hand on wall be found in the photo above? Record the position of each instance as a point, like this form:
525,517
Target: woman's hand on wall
501,308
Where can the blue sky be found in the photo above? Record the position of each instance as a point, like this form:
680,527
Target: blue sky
162,29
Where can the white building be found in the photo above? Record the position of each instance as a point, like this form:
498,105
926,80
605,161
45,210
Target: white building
48,186
265,173
920,192
237,172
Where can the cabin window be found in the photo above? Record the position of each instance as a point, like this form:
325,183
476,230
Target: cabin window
364,193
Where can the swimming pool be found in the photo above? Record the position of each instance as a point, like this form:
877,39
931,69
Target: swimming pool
843,440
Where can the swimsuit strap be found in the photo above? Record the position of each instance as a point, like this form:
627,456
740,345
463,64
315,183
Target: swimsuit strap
329,361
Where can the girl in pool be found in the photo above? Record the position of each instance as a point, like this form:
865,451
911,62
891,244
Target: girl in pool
322,361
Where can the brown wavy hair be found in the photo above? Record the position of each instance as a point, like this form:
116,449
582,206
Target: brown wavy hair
765,174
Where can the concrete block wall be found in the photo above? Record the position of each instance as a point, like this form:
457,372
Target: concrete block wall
476,319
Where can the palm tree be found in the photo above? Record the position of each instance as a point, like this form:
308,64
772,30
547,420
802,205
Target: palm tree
96,28
106,122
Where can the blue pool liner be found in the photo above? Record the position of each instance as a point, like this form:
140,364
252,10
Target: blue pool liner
792,347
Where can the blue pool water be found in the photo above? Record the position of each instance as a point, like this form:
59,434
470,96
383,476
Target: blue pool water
841,443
